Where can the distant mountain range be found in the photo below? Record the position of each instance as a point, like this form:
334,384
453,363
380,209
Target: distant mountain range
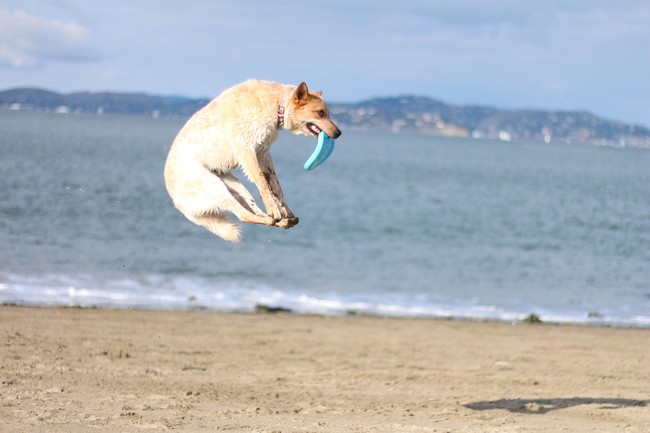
413,114
100,103
425,115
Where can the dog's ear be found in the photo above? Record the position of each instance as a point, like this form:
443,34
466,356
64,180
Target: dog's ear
301,95
319,93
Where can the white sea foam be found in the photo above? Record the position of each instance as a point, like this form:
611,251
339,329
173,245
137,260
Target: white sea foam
191,293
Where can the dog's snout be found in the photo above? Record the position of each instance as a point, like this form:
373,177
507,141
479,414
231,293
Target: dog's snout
337,133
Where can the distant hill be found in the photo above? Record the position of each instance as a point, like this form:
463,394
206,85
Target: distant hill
415,114
426,115
100,103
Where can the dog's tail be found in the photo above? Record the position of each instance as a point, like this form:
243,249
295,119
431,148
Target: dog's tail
220,225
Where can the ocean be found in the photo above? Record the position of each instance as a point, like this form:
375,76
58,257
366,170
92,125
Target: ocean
391,225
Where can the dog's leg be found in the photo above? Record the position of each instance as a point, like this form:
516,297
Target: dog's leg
210,195
251,166
247,210
288,218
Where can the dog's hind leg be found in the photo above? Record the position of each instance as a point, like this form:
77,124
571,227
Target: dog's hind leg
244,206
210,195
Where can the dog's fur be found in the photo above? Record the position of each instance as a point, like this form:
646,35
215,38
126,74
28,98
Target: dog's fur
236,130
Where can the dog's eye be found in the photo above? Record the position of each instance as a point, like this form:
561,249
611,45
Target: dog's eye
321,113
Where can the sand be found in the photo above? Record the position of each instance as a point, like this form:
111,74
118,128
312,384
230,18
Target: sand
87,370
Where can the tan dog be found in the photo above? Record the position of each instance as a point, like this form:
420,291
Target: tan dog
235,130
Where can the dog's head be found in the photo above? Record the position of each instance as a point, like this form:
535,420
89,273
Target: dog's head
309,115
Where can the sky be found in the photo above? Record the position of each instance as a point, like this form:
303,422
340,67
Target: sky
591,55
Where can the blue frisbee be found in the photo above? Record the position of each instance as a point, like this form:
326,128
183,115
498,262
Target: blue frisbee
323,150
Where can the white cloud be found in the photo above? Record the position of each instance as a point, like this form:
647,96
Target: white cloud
28,40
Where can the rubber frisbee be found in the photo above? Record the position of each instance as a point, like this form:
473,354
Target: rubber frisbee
323,150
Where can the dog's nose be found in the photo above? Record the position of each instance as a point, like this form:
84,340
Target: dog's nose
337,133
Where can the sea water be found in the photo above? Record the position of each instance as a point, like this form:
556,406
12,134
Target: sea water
391,224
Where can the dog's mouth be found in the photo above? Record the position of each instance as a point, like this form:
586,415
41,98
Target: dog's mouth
313,128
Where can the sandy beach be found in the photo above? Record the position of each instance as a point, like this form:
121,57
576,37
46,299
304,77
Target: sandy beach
81,370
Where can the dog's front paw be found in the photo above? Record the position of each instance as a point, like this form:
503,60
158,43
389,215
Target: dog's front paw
274,212
287,223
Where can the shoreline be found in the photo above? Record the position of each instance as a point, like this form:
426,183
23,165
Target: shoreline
75,369
531,318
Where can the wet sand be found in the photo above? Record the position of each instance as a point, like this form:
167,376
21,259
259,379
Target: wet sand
86,370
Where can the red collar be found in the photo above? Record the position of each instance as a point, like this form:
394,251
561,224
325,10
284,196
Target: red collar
281,110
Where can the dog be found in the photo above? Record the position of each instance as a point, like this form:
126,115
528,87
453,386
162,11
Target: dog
236,130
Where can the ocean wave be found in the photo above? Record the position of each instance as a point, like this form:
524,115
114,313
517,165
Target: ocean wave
197,293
